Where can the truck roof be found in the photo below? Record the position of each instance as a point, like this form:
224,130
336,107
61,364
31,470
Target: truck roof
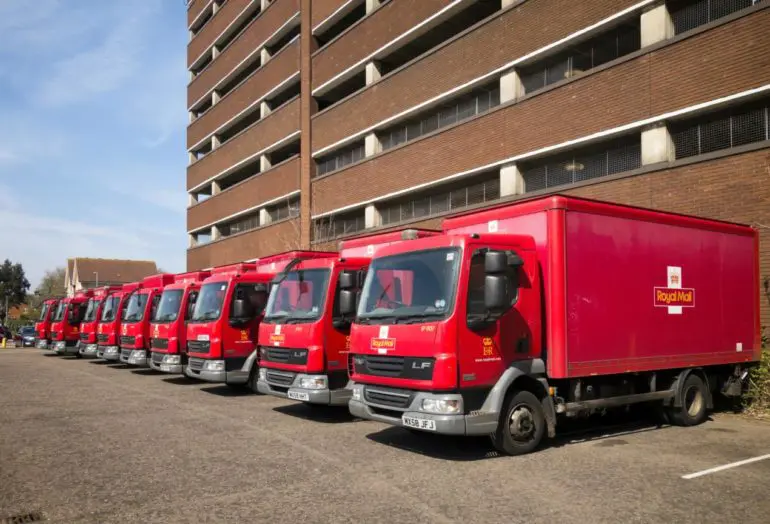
365,246
159,280
192,276
534,205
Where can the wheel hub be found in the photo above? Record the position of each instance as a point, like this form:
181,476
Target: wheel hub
522,423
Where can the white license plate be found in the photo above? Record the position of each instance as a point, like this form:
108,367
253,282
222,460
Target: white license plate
298,395
418,423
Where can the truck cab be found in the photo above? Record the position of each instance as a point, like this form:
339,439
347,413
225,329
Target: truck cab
65,326
135,324
43,325
303,338
88,328
168,342
109,327
223,329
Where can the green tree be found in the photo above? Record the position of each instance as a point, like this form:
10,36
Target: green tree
13,286
52,285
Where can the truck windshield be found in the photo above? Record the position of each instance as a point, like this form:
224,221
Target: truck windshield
170,304
59,313
209,303
91,309
410,287
110,308
135,310
44,311
299,297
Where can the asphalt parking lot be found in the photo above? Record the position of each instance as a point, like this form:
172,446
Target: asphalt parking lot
86,441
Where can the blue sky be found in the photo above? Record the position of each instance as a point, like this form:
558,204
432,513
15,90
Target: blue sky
92,126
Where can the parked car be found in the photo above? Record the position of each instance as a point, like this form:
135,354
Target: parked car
26,336
6,333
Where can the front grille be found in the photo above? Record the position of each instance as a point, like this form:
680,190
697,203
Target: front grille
419,368
196,364
285,355
157,357
198,346
102,338
284,378
127,341
125,353
159,343
390,397
84,336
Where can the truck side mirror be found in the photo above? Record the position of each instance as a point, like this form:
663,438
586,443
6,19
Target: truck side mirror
242,309
348,299
191,305
501,282
496,293
347,279
71,317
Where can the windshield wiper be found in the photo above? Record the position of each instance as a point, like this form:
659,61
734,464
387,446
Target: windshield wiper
416,317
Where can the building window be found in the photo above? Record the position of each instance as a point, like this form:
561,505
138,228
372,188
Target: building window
476,102
440,200
334,226
689,14
288,208
246,223
580,58
596,161
202,238
341,158
722,130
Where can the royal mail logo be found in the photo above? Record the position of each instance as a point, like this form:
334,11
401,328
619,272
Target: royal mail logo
382,345
674,296
277,339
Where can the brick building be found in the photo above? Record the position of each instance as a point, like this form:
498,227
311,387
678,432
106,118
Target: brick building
312,121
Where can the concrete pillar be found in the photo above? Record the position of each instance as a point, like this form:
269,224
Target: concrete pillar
264,109
264,163
264,4
657,145
215,142
191,115
507,3
372,144
192,240
511,181
372,217
191,158
264,217
215,96
373,73
215,7
656,25
371,5
192,199
215,188
215,51
216,233
511,87
264,56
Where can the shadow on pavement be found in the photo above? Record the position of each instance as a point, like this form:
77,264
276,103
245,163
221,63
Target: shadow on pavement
445,447
227,391
146,372
183,380
99,362
318,413
51,355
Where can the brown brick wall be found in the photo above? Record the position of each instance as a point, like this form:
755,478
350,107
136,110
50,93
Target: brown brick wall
264,133
385,24
277,13
194,9
323,8
606,99
275,238
734,188
490,46
275,71
214,27
271,184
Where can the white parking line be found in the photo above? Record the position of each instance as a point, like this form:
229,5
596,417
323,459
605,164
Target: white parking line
726,466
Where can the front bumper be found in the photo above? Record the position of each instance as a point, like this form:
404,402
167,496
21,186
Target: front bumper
197,368
459,424
65,347
159,362
27,342
134,357
41,343
108,353
88,350
286,384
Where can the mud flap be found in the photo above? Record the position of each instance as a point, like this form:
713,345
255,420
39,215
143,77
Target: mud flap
550,415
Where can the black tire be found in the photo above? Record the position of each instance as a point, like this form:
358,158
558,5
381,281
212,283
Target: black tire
253,377
78,355
523,409
693,410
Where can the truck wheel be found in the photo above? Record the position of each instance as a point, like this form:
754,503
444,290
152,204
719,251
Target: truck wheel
78,355
693,409
522,425
252,383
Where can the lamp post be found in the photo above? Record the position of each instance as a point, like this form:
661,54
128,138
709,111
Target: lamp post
97,278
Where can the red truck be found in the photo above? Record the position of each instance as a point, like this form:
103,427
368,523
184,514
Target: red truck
87,345
135,322
303,338
108,330
168,342
43,325
65,325
552,307
222,332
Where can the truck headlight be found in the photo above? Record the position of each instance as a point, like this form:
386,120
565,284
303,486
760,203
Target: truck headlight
110,350
172,359
138,353
214,365
357,392
313,382
442,406
262,374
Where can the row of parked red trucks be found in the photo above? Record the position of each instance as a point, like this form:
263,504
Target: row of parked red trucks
501,323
